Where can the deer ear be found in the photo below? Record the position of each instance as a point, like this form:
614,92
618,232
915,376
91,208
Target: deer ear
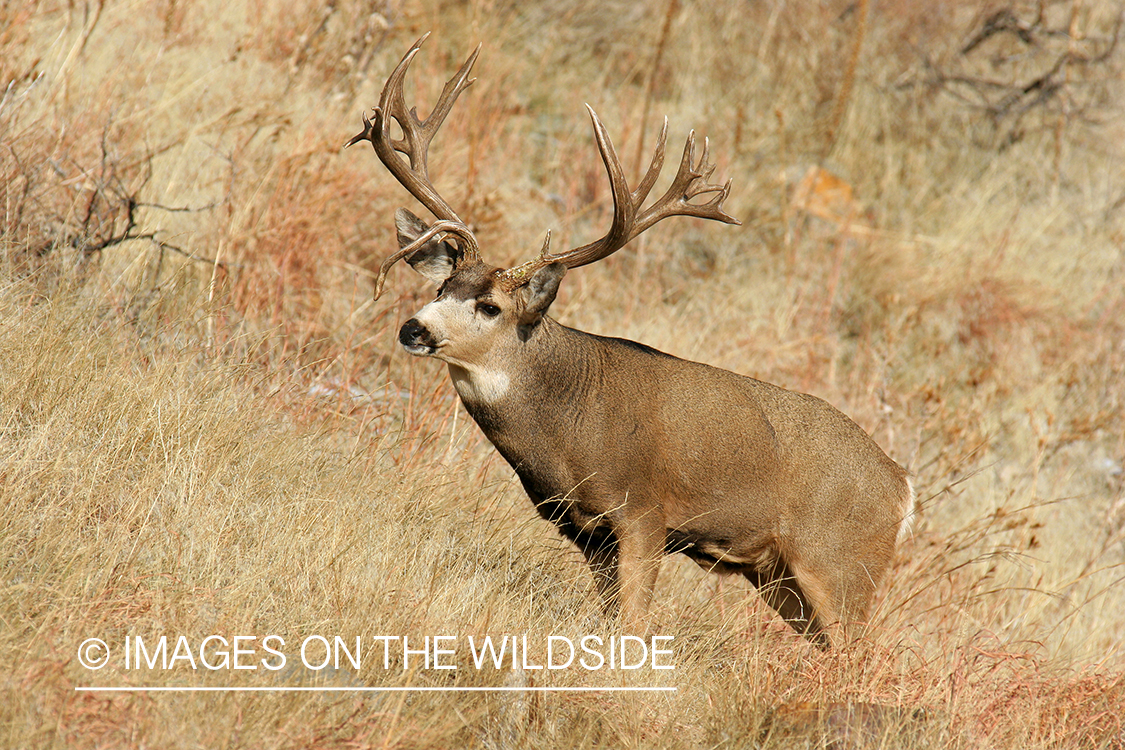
538,294
436,258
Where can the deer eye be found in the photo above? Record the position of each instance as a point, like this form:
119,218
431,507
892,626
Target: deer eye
488,309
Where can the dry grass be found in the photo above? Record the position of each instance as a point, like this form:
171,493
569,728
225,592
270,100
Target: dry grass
209,430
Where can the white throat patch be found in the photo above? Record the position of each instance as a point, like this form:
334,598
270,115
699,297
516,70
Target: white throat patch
479,385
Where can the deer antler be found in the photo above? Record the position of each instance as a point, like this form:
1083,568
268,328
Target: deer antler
628,218
415,145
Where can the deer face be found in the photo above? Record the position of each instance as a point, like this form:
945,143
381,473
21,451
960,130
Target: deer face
476,323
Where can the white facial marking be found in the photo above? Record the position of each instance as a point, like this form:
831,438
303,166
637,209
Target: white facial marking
442,313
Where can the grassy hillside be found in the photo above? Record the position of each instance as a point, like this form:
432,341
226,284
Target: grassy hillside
207,427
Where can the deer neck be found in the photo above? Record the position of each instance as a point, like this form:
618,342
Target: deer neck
543,377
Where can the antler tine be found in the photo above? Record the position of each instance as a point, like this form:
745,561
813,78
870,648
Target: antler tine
689,182
624,205
654,167
416,133
466,241
449,93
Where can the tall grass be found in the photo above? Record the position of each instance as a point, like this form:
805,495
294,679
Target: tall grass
208,428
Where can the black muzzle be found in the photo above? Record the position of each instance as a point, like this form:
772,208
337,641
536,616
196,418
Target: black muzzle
415,337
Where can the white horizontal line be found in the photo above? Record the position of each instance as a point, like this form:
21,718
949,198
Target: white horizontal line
282,689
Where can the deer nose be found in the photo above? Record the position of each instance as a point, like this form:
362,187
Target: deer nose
414,335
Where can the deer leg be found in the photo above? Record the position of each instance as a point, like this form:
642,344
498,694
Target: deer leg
640,549
780,589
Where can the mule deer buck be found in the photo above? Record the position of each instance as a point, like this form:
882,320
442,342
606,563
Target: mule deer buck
630,452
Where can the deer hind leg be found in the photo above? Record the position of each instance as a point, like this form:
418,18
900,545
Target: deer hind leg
782,591
844,591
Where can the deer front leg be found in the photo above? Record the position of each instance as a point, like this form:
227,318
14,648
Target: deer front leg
640,545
